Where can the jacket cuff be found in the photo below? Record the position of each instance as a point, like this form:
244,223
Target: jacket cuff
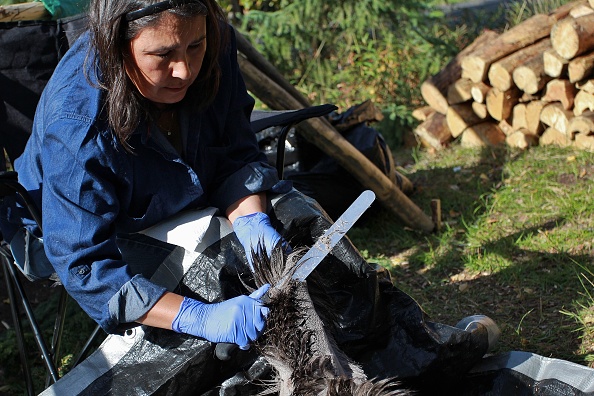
134,299
253,178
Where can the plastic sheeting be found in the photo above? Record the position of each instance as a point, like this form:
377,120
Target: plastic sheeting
378,326
523,374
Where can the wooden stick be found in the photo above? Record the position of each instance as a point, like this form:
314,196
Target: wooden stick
261,63
436,213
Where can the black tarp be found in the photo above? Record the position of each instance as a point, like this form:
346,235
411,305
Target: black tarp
378,326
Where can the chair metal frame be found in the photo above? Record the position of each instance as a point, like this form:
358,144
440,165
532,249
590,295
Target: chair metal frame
50,352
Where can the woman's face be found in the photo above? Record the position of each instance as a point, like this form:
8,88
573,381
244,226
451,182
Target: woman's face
165,59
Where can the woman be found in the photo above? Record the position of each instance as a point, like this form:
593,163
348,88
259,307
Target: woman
145,116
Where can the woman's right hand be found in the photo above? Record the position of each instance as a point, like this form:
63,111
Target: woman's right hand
239,320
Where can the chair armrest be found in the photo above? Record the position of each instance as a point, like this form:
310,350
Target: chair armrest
262,119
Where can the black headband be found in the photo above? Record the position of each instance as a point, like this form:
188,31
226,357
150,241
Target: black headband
157,7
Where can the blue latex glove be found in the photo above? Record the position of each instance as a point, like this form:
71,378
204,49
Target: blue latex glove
254,231
239,320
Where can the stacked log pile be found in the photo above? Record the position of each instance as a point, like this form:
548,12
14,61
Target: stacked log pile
531,85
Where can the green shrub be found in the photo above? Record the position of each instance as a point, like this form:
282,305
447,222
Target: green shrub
346,52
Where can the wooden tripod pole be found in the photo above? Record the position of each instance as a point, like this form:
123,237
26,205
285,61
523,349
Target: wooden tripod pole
320,133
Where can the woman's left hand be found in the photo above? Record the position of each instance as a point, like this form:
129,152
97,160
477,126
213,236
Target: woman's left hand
255,233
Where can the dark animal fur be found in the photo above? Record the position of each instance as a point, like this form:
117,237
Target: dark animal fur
298,344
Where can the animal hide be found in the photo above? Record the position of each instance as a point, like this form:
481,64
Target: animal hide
298,339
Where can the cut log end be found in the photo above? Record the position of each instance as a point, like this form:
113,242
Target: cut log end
564,38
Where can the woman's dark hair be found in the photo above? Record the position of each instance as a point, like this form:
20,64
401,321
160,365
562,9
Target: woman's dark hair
110,35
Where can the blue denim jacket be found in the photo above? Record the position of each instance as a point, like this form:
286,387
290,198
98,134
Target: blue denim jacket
90,189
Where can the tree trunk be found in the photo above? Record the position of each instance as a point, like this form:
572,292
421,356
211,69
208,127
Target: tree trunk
434,132
554,137
519,117
459,117
555,116
459,91
581,10
533,110
422,113
481,135
586,86
580,67
24,12
583,124
584,142
554,64
480,109
522,139
476,65
505,127
501,72
434,90
583,101
479,92
501,103
530,77
559,90
572,37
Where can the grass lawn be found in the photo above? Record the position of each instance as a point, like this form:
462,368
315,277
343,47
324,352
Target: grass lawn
516,244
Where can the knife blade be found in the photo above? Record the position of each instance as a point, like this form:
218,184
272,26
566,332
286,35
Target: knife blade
320,249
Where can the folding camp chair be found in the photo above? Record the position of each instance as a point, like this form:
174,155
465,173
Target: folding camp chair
9,186
21,86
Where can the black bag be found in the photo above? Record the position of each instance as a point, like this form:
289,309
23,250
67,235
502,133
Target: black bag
318,175
29,53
